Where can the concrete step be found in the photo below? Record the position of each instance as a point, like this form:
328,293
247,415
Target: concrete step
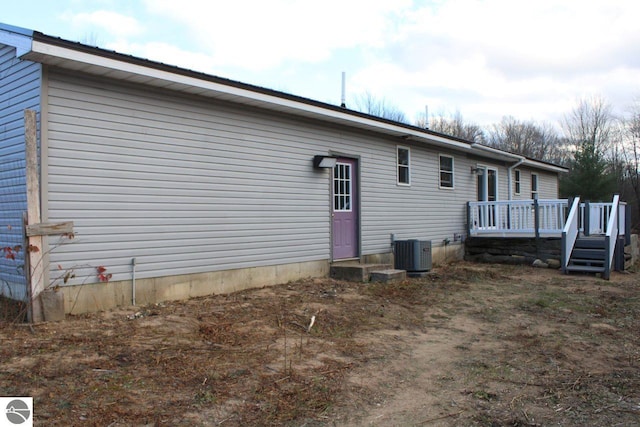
355,272
388,276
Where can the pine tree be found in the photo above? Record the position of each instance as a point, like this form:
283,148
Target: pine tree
589,175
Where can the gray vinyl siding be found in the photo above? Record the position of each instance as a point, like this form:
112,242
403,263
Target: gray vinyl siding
182,185
20,83
547,184
188,185
420,211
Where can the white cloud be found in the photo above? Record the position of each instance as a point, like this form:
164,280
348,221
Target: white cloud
262,34
115,24
545,34
496,57
486,58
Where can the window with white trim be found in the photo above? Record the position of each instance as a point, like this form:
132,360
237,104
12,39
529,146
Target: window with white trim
516,180
404,166
342,187
534,185
446,171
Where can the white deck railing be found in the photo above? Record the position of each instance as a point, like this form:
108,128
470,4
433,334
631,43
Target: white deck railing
517,217
570,232
504,218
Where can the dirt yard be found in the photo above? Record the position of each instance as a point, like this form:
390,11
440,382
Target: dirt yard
470,345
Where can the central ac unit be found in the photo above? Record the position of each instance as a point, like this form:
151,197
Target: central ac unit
413,255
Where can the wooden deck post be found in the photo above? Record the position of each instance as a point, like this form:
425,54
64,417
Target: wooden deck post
33,249
536,217
586,225
469,225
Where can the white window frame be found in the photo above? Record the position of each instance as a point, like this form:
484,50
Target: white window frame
407,166
452,172
535,192
517,182
346,196
485,182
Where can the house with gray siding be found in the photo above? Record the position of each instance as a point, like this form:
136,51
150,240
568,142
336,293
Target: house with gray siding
184,184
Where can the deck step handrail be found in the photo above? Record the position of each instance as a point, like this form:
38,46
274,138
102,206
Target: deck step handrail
611,236
570,233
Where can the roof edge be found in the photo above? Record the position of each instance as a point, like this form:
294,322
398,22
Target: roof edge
17,30
19,38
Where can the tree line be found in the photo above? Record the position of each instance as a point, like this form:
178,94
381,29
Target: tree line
600,149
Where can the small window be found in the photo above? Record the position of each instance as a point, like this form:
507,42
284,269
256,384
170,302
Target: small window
342,187
534,186
404,166
517,181
446,171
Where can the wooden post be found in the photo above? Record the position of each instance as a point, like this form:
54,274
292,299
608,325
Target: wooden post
34,248
586,223
469,220
536,217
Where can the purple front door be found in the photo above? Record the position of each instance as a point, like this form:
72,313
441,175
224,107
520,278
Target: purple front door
345,210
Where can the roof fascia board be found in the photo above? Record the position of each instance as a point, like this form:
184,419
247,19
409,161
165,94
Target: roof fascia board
16,37
545,166
499,153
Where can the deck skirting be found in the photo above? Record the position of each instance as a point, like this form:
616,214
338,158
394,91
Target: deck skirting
512,250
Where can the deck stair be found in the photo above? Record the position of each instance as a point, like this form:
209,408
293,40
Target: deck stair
589,255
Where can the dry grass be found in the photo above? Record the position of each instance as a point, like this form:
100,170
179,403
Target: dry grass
489,345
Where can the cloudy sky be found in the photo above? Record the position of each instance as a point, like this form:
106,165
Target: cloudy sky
485,58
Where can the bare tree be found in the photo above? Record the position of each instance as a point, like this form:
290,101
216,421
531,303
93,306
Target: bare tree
630,157
91,39
529,139
453,125
592,122
380,107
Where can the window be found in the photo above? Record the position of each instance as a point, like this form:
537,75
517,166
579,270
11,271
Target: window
534,186
404,166
342,187
517,181
446,171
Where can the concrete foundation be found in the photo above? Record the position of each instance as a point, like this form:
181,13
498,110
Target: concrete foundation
384,258
103,296
446,254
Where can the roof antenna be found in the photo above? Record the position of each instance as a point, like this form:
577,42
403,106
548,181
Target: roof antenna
342,99
426,117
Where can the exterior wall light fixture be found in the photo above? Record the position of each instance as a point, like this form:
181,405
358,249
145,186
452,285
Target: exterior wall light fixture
324,162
